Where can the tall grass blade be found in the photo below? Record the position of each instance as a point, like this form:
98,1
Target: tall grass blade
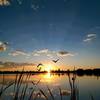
31,94
91,97
43,94
24,93
1,92
60,93
50,93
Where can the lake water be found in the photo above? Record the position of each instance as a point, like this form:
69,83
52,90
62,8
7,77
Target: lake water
87,86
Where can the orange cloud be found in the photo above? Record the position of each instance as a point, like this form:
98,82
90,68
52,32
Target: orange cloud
4,3
3,46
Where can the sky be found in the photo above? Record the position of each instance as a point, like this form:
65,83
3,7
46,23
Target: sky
41,30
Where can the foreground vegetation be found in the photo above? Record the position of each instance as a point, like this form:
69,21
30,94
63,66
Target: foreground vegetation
20,90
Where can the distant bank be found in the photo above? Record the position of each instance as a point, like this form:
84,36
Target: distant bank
79,72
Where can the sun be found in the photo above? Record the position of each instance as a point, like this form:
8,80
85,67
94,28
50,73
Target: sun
48,68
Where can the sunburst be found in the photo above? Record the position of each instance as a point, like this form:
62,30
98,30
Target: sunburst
48,68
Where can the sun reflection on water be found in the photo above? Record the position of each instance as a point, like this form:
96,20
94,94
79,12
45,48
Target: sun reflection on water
48,77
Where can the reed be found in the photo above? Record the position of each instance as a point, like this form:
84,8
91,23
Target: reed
18,85
73,87
60,93
46,97
4,89
50,93
20,90
36,96
91,97
30,97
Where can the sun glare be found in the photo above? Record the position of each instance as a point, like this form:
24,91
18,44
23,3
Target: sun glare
48,68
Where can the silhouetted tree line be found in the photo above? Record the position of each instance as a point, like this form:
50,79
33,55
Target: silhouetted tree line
79,72
16,72
82,72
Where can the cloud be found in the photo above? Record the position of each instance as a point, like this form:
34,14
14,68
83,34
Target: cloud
64,54
4,3
87,40
36,54
42,51
18,53
19,2
35,7
3,46
90,37
51,54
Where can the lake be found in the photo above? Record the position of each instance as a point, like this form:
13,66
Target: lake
48,86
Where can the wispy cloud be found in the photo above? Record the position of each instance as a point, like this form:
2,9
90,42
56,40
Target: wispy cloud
42,51
64,54
90,37
36,54
18,53
51,54
3,46
87,40
35,7
4,2
19,2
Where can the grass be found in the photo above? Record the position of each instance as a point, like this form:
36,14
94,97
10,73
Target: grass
73,87
91,97
20,90
52,96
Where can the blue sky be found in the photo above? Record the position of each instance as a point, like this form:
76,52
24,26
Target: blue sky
53,25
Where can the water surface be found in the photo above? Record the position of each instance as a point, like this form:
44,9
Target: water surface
86,85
